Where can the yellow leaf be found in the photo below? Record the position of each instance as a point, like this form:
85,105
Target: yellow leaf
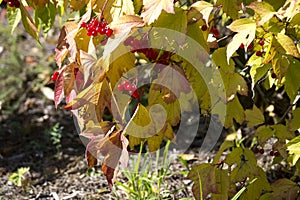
264,11
288,44
246,29
77,4
153,8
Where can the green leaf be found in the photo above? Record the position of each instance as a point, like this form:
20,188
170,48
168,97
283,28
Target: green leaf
263,133
246,33
292,79
14,18
294,124
44,17
288,44
294,149
76,5
282,132
28,23
225,145
230,7
254,117
264,10
234,110
194,31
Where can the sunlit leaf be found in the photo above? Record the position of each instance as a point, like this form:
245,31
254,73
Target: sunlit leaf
14,18
234,110
246,33
126,22
28,23
204,8
44,17
288,44
153,8
264,11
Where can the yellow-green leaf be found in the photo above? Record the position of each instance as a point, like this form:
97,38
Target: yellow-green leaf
292,79
254,117
288,44
295,122
234,110
263,133
264,11
246,33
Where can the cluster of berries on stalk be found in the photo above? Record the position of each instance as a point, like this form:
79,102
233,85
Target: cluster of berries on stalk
95,27
142,46
257,150
13,3
127,86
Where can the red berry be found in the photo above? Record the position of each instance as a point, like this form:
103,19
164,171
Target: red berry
272,153
83,24
54,76
135,94
121,87
102,24
204,28
102,31
11,4
109,32
128,87
94,33
6,1
259,53
215,32
276,154
261,43
95,22
273,75
242,46
89,28
255,150
261,151
89,33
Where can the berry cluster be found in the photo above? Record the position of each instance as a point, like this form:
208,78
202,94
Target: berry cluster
257,150
96,27
54,76
259,53
126,86
142,46
13,3
242,46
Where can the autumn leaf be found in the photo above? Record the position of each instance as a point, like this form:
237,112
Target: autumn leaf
245,29
204,175
66,43
234,110
204,8
76,5
126,22
153,8
87,62
288,44
230,7
28,23
263,10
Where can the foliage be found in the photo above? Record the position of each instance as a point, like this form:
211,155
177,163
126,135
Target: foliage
156,65
55,133
20,178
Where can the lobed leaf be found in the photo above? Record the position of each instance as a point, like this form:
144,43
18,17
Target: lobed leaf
153,9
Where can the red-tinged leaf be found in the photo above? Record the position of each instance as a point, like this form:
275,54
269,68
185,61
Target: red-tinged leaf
69,78
28,23
173,78
66,43
88,95
126,22
87,62
264,11
153,8
59,88
112,149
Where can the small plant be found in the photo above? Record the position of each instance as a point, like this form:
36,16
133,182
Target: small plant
55,135
20,178
148,175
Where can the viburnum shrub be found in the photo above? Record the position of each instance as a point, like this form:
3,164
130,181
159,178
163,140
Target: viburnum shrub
148,63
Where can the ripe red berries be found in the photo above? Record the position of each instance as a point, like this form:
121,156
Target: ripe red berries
54,76
259,53
215,32
96,27
261,43
126,86
13,3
